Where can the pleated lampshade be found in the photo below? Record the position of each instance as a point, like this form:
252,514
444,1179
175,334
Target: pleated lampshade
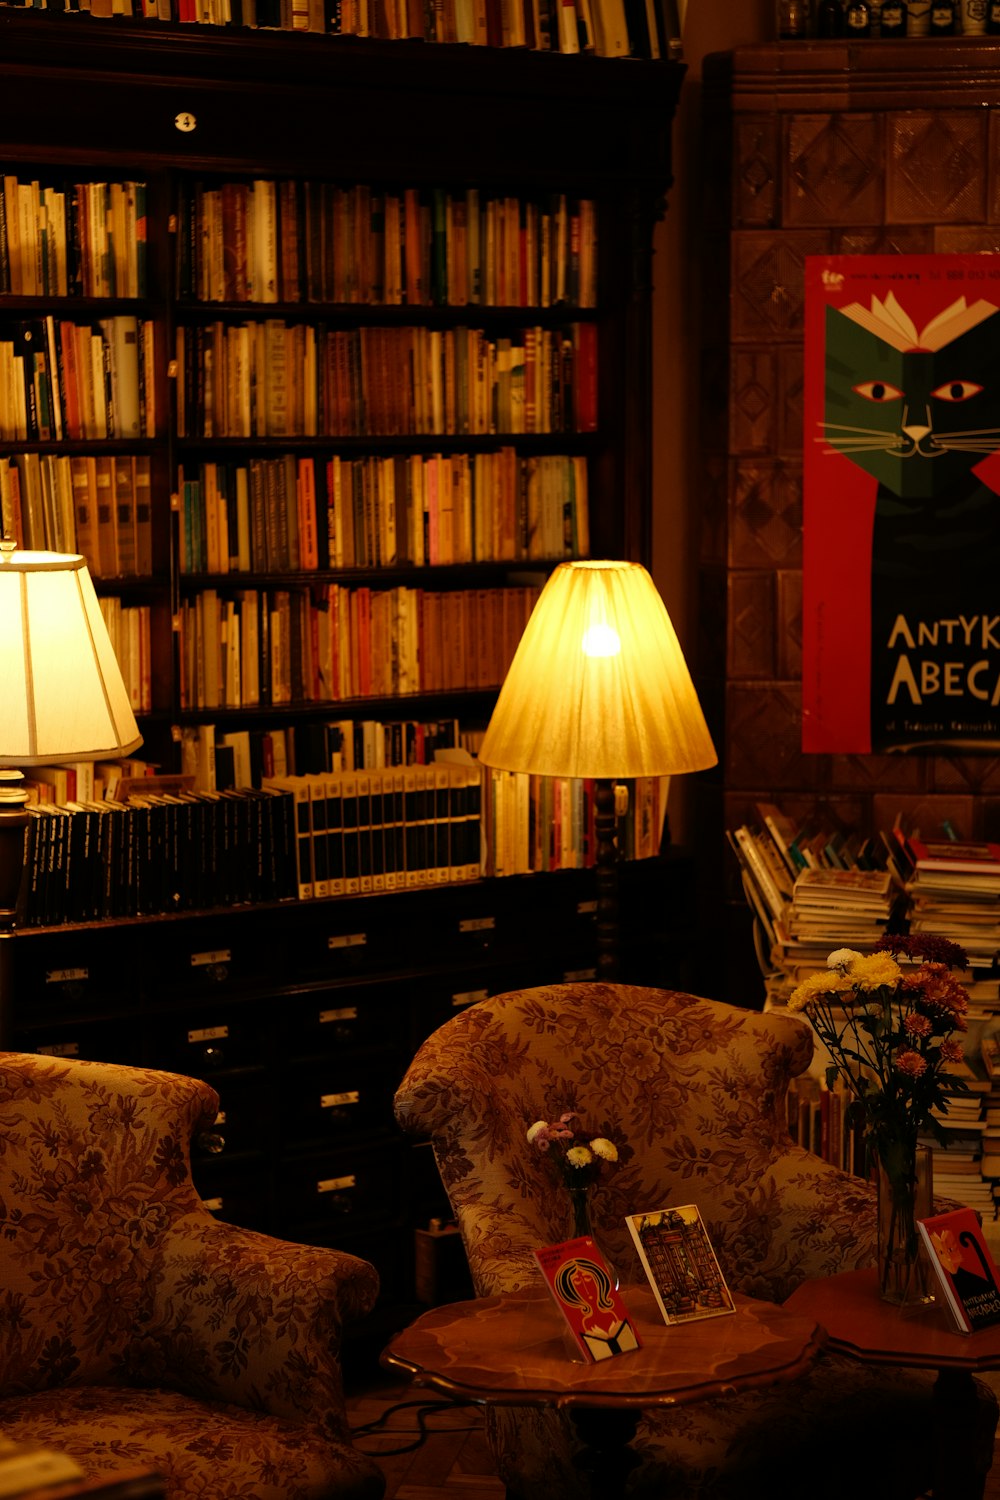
598,686
61,691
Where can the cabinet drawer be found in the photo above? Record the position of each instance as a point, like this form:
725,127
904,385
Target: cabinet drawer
245,1118
336,1099
212,1038
110,1041
348,1189
211,958
328,1022
237,1192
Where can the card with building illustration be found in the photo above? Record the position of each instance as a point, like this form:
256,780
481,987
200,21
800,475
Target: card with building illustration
680,1263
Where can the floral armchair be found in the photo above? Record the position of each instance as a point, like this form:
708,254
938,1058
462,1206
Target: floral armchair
692,1092
137,1330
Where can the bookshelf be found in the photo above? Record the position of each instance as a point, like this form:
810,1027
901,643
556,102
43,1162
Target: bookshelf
364,278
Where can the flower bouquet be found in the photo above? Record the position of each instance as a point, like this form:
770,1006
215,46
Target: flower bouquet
577,1159
891,1036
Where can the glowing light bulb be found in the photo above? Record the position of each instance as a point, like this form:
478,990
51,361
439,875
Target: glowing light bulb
601,640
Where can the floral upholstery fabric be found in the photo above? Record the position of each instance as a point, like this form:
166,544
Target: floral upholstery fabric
137,1329
692,1092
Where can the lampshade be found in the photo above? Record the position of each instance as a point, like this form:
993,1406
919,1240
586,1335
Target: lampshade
598,686
61,691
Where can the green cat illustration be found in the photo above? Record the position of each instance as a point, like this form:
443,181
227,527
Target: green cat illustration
918,410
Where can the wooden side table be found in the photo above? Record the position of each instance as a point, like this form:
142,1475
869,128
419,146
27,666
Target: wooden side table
510,1351
861,1325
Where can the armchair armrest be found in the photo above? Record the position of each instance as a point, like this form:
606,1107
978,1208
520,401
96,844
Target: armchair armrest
240,1317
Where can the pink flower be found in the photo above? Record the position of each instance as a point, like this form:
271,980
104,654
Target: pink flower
917,1025
910,1063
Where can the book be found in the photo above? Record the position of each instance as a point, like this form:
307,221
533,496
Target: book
680,1263
965,1269
956,857
583,1289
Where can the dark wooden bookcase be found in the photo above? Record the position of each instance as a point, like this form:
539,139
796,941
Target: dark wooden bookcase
360,980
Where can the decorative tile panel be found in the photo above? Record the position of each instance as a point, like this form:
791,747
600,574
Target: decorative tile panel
752,401
765,518
834,170
788,641
926,815
751,650
874,773
936,167
967,240
965,773
764,739
892,239
790,400
755,170
768,272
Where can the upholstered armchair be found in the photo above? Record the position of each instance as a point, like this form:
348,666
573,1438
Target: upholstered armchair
135,1329
693,1093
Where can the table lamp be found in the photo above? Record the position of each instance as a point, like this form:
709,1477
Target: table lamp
61,692
599,688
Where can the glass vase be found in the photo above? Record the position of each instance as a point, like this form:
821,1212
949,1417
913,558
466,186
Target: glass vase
905,1189
582,1225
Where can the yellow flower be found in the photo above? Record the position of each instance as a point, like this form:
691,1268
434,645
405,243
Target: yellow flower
605,1149
579,1156
875,971
822,982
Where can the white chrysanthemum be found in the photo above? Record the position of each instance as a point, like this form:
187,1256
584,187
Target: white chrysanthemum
605,1149
579,1156
534,1131
842,958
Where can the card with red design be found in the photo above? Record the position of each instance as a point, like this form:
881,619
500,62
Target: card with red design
584,1291
966,1271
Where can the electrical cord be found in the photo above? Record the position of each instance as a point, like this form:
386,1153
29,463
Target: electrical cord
424,1409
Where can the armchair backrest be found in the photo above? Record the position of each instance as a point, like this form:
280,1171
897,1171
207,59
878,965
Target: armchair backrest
94,1167
692,1092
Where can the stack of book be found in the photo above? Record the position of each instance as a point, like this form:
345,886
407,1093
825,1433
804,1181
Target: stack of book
954,891
958,1164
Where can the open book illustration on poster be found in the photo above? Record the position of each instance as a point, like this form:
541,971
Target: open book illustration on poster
680,1263
901,510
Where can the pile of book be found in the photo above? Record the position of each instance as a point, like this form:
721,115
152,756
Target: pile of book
958,1169
954,890
811,892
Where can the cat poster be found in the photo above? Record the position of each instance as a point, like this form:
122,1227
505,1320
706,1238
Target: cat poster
901,504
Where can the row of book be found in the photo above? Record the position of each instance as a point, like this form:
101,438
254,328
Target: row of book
331,643
290,513
219,760
72,239
289,241
539,823
608,28
61,379
97,504
385,830
275,379
129,632
162,852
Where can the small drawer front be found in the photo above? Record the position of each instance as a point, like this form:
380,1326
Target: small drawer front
208,959
244,1121
336,1099
75,973
209,1039
109,1041
438,1000
327,1022
343,1190
236,1192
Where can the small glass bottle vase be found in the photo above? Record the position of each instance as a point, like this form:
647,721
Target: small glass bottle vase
580,1199
904,1196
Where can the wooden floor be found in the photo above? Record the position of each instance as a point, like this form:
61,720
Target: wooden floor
452,1463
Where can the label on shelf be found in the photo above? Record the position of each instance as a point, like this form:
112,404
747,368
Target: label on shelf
571,976
469,997
348,940
345,1013
63,976
60,1049
586,908
208,1033
214,956
335,1184
477,924
331,1101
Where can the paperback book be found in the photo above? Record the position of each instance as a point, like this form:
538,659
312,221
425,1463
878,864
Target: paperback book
584,1292
965,1269
680,1264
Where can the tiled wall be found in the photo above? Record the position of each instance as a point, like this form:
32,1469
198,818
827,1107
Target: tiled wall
812,148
